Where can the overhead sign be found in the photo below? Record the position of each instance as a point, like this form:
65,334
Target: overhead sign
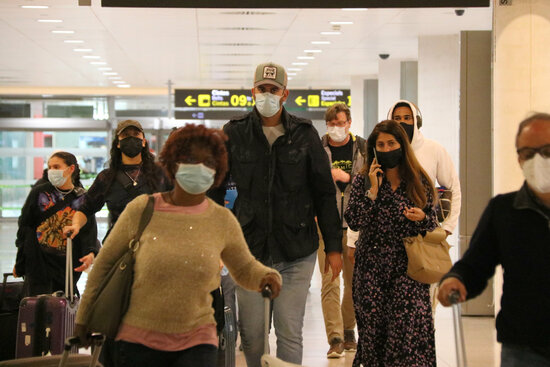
245,4
214,98
224,104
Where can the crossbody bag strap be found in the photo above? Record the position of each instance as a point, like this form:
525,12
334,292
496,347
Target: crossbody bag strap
63,203
145,217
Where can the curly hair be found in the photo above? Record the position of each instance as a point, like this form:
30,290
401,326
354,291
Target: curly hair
181,143
409,168
147,162
69,160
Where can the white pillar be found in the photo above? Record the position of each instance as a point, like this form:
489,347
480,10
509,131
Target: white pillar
357,105
389,85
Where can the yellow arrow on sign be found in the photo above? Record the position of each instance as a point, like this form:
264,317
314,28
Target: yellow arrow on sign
299,101
190,100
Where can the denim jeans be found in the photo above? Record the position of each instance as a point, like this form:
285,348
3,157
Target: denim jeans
138,355
513,355
287,310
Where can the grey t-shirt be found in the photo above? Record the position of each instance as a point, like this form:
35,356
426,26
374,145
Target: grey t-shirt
273,132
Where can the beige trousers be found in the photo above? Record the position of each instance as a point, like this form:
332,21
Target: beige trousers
338,315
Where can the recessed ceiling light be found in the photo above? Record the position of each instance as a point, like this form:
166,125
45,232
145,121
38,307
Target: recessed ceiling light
91,57
294,69
34,6
114,77
291,74
355,9
124,85
338,23
73,41
82,50
306,58
320,42
313,51
300,63
110,73
98,63
118,82
290,78
63,32
104,69
331,33
49,21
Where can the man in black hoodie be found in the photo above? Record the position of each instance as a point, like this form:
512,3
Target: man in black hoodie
514,231
283,178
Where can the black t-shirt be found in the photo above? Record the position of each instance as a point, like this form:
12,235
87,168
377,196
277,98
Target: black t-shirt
342,158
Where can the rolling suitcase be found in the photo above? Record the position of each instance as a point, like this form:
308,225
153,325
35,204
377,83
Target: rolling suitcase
46,321
10,296
65,359
226,340
459,335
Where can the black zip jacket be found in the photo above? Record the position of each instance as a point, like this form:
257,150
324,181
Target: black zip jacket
282,188
513,231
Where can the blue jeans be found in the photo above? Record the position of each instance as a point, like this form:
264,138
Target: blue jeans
513,355
287,310
138,355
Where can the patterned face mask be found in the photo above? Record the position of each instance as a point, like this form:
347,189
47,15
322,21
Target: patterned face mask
55,176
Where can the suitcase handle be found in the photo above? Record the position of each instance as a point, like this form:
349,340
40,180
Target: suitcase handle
69,291
266,293
4,283
97,342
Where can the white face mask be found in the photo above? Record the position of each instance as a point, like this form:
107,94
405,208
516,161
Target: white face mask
55,176
267,104
537,173
336,133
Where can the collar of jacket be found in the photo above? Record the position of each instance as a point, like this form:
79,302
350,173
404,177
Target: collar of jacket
526,199
324,138
290,122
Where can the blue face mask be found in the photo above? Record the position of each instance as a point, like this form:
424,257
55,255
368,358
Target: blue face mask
195,178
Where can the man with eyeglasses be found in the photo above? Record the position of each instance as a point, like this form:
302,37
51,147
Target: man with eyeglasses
514,231
347,153
283,180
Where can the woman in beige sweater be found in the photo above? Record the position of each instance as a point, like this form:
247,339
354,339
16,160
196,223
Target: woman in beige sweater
170,319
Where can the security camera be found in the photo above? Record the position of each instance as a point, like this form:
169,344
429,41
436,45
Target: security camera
384,56
459,12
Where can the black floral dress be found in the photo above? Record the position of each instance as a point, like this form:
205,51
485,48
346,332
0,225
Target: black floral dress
394,316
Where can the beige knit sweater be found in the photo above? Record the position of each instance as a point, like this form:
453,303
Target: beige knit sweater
177,266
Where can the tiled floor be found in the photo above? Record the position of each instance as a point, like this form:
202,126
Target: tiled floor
479,333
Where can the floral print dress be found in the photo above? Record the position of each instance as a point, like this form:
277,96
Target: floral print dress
393,311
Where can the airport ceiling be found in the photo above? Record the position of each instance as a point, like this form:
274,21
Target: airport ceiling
208,48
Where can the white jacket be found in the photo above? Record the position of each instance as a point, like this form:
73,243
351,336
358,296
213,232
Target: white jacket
437,163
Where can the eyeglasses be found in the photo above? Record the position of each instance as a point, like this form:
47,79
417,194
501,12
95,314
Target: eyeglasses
337,123
528,153
208,162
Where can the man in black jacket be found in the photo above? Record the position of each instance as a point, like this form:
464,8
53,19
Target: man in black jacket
283,180
514,231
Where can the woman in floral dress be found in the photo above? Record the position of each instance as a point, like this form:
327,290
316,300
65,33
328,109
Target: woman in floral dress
393,311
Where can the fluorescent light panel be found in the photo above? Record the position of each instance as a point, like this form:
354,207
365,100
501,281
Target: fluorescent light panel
300,63
63,32
331,33
82,50
341,23
110,73
91,57
320,42
50,21
313,51
294,69
306,58
34,6
114,77
73,41
293,74
355,9
104,69
118,82
124,85
98,63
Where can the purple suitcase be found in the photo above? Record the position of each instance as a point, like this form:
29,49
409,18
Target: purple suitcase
45,321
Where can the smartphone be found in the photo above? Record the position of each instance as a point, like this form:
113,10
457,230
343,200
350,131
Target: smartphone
375,156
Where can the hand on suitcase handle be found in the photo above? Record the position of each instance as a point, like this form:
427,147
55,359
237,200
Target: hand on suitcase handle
270,285
447,290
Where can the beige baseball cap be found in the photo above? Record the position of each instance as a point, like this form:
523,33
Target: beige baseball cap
127,123
270,73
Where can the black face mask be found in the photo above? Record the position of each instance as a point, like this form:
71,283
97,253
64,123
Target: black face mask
409,129
131,146
389,159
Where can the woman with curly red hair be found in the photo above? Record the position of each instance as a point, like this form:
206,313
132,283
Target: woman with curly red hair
170,320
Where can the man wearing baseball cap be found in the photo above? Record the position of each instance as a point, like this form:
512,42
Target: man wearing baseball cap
284,182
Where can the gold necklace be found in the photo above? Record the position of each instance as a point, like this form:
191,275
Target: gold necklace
135,182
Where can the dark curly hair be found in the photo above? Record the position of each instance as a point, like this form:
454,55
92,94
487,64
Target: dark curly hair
70,160
181,142
148,166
